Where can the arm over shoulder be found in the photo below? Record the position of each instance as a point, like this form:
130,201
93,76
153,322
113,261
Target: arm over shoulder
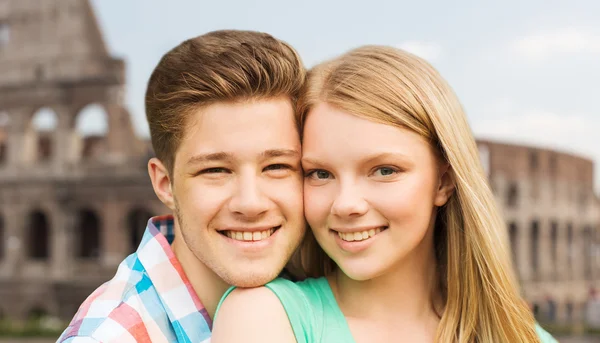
252,315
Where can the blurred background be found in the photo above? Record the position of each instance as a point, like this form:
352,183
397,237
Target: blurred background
75,195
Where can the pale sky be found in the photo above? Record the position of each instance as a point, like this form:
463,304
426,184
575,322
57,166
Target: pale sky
526,72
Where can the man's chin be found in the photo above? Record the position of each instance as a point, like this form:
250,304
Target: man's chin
253,279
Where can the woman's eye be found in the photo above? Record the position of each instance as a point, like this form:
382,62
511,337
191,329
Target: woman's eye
319,174
385,171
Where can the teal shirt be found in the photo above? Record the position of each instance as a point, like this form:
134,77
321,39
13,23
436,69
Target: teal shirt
315,315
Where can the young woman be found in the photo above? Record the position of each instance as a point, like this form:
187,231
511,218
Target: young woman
411,247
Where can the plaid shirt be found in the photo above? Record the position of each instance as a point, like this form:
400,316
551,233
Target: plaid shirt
149,299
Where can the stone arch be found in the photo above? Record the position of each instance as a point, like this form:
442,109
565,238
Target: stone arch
38,235
569,311
36,314
534,244
44,118
551,309
88,233
588,249
2,238
137,219
512,197
570,248
90,124
513,234
596,252
5,35
4,118
4,121
536,310
554,247
534,161
40,141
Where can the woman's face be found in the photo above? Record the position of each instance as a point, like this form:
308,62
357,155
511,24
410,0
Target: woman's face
370,192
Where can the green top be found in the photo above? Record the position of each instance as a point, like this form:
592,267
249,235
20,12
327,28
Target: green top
315,315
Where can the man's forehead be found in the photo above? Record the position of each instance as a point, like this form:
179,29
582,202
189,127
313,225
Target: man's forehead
258,118
252,130
230,156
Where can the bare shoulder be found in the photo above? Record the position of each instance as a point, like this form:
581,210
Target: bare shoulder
248,311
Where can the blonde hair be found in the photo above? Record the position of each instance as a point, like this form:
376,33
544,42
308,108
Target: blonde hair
389,86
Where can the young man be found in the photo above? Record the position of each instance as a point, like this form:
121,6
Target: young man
221,114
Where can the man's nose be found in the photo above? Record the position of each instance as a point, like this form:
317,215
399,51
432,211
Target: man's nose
249,199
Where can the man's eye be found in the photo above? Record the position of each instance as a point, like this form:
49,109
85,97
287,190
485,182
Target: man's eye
318,174
279,170
277,167
213,171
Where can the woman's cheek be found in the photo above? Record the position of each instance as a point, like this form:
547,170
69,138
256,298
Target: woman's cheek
316,206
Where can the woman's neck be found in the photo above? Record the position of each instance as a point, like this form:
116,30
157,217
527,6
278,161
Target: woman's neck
408,291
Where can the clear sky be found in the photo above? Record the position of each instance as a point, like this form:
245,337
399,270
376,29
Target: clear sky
525,71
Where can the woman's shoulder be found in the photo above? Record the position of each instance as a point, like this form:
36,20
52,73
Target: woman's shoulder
278,288
305,296
247,309
310,289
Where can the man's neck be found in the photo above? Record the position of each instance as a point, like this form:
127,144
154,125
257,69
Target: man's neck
208,286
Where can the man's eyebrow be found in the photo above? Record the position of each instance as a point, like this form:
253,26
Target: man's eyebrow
225,156
216,156
280,152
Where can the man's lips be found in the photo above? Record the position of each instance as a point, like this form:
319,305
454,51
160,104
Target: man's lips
248,234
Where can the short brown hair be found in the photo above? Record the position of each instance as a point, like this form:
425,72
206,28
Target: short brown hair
226,65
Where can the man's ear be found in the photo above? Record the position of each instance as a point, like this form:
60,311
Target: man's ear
161,182
446,185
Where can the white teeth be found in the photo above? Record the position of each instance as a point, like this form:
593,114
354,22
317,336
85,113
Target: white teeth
249,236
358,236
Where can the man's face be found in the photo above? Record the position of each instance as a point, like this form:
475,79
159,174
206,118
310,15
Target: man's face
237,189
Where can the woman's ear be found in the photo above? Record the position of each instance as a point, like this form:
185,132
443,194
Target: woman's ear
446,185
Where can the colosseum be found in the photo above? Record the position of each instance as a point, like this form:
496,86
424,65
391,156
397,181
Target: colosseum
553,220
74,204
